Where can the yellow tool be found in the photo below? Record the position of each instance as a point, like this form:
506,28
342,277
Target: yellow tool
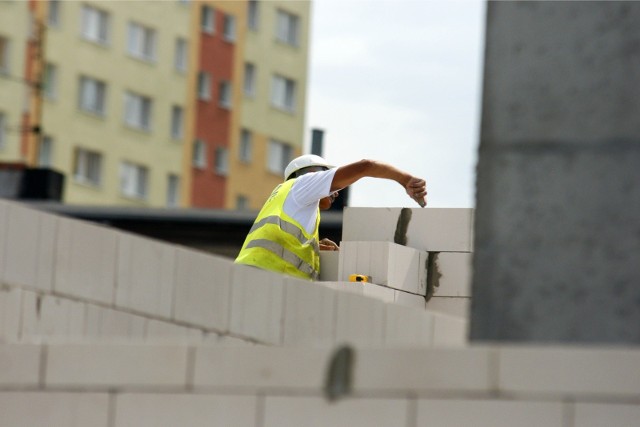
359,278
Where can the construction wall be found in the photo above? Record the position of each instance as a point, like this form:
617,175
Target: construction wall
103,328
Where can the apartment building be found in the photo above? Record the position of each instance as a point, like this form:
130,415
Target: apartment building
146,104
274,98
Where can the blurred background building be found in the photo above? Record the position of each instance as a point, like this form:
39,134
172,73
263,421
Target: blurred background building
151,104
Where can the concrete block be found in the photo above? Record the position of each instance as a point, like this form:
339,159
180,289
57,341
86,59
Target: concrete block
329,265
453,274
169,410
29,248
146,275
158,331
257,304
309,314
406,326
202,289
19,364
489,413
453,306
256,368
429,229
570,371
450,330
351,287
387,264
46,317
359,320
381,293
85,260
4,223
116,365
423,370
10,313
606,414
114,325
295,411
34,408
409,300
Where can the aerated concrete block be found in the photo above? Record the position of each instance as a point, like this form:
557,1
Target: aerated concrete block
168,409
452,274
453,306
19,365
85,260
309,314
10,313
359,320
406,326
29,408
45,317
329,264
202,289
146,275
257,304
428,229
387,264
29,247
107,323
116,365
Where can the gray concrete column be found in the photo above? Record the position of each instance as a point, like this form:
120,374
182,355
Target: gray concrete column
557,232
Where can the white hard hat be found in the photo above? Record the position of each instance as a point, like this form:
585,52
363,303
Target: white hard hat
305,161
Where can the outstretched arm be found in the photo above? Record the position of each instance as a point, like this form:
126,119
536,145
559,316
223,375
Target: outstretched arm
348,174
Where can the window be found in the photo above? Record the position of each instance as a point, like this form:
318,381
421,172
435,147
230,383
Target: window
45,152
224,94
49,81
173,191
199,154
137,111
92,95
54,13
278,157
87,167
207,22
204,86
4,55
249,79
242,202
95,25
283,93
181,55
177,122
133,180
287,28
253,15
222,161
229,28
3,131
141,42
246,146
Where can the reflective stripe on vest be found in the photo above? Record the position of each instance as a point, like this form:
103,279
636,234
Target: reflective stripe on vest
287,227
286,255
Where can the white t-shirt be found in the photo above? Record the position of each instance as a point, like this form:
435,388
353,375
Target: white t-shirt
302,201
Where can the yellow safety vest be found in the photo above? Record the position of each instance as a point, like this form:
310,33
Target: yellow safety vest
279,243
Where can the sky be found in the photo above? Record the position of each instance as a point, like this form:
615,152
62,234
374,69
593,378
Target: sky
399,81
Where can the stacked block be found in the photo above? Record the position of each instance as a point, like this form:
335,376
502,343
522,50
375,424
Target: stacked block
164,385
110,286
440,239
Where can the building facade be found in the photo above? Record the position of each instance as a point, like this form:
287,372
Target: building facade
144,103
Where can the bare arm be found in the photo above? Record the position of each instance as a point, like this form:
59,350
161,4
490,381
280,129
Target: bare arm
348,174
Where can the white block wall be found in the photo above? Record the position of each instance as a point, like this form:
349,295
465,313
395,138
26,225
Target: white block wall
109,286
429,229
161,385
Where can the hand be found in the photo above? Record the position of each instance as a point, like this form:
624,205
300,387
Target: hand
328,245
417,189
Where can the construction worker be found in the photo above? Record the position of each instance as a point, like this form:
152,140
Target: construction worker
284,237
